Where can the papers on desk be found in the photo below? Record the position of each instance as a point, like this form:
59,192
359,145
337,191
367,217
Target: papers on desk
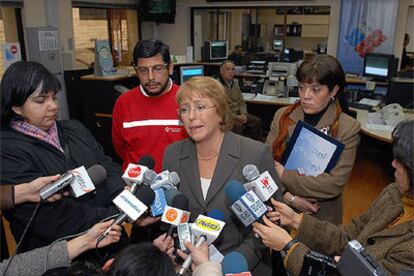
248,96
386,119
370,102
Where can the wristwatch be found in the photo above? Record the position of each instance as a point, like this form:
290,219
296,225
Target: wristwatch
289,245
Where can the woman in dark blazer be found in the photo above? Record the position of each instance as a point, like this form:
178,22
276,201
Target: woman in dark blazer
211,157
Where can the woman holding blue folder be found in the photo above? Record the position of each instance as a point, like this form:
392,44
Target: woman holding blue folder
321,82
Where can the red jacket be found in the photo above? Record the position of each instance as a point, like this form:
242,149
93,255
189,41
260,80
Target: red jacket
143,125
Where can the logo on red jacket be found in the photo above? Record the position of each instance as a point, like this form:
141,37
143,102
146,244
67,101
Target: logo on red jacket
134,172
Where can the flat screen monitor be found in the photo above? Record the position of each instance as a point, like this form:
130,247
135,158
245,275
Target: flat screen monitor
218,49
187,72
292,55
378,66
277,45
160,11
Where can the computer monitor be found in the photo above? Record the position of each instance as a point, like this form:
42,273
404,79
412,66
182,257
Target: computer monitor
216,50
378,66
292,55
187,72
277,45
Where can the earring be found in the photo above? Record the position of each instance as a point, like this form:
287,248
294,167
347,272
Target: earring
332,98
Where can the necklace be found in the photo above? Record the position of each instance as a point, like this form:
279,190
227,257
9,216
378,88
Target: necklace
208,158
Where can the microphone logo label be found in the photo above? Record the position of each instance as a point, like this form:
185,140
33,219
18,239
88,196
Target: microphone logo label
171,215
208,224
134,172
185,217
265,181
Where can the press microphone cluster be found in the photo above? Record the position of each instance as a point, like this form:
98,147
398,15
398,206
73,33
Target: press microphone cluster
204,229
80,181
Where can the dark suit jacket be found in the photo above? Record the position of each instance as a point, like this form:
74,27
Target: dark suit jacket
236,152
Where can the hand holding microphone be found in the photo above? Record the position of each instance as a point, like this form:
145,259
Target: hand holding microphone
81,181
132,206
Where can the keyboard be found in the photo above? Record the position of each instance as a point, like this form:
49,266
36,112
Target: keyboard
360,106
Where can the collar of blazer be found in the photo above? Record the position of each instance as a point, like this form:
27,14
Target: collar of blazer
327,119
229,158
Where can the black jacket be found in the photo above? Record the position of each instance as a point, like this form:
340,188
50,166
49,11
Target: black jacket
24,158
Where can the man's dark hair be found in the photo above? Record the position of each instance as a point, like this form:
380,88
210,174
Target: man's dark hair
148,48
20,81
142,259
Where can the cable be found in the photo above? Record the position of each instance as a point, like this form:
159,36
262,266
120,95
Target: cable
22,237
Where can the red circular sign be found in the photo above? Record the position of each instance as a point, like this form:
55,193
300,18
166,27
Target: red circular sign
13,49
134,172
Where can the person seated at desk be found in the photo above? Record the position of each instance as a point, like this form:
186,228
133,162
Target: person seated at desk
243,122
385,230
237,56
321,81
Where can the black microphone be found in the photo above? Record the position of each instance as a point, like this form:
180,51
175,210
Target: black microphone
145,195
97,174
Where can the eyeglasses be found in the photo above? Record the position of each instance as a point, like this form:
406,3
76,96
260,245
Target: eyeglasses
156,69
197,109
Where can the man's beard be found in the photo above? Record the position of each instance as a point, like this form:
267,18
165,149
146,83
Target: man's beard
152,94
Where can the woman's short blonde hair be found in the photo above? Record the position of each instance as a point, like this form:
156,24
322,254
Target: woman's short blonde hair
207,87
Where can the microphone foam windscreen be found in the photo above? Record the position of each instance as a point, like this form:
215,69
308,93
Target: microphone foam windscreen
147,161
234,262
170,194
250,172
216,214
175,179
149,176
146,195
234,190
180,201
97,173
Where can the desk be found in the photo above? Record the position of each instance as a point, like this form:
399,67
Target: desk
382,135
358,80
361,115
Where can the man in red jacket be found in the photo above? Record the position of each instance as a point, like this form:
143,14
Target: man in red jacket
145,119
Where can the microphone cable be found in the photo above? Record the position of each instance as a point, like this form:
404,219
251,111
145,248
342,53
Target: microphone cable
22,237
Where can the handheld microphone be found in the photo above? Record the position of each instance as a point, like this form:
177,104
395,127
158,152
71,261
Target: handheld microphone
166,180
234,263
162,199
245,205
81,181
134,173
132,206
205,228
176,213
262,184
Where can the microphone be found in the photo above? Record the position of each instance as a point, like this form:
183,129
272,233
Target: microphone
205,228
134,173
234,263
132,206
176,213
162,199
166,180
81,181
245,205
262,184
